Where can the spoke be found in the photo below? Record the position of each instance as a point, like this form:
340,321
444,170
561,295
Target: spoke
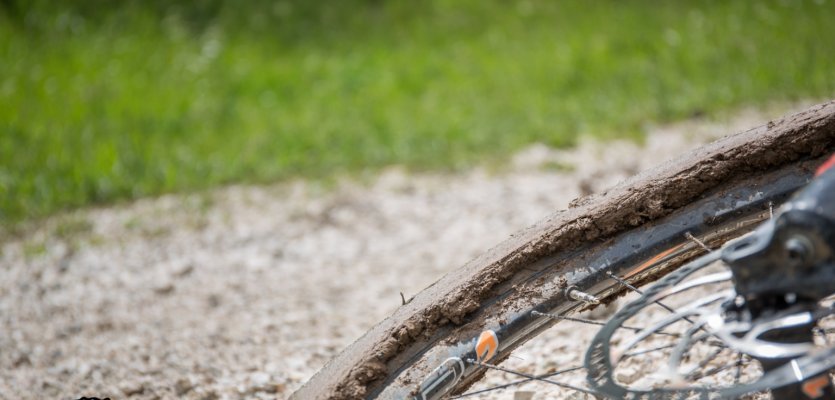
658,302
519,382
703,363
642,352
531,377
668,346
682,347
623,282
592,322
717,370
698,242
636,290
691,310
697,282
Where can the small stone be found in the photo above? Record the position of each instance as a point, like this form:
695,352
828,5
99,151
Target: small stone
183,386
21,360
164,289
213,300
578,396
523,395
628,376
260,378
210,395
271,388
262,382
132,388
185,271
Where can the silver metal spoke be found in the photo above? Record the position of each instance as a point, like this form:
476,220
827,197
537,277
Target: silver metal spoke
693,309
696,282
519,382
592,322
694,372
646,351
636,290
717,370
682,347
531,377
665,347
624,282
698,242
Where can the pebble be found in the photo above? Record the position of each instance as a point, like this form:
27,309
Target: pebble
132,388
183,386
523,395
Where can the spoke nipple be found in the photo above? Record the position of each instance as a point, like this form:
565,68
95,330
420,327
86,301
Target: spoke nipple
575,294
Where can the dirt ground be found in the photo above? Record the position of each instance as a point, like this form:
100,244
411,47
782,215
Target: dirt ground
245,292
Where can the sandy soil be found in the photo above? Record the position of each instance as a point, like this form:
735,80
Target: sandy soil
245,292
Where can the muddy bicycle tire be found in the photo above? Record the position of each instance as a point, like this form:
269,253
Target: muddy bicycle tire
730,182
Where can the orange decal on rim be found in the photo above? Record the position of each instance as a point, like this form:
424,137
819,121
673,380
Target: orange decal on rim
826,166
486,346
652,261
814,388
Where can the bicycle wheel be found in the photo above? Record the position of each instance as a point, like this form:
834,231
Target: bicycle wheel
574,260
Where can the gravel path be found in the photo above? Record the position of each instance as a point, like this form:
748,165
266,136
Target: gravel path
245,292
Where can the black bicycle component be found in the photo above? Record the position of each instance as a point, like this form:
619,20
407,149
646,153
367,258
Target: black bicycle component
788,264
792,256
780,274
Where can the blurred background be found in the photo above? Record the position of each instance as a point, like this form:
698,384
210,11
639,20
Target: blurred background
106,100
210,199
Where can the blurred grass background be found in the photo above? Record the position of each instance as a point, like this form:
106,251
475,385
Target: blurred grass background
105,100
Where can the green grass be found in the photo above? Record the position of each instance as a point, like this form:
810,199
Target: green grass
103,100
